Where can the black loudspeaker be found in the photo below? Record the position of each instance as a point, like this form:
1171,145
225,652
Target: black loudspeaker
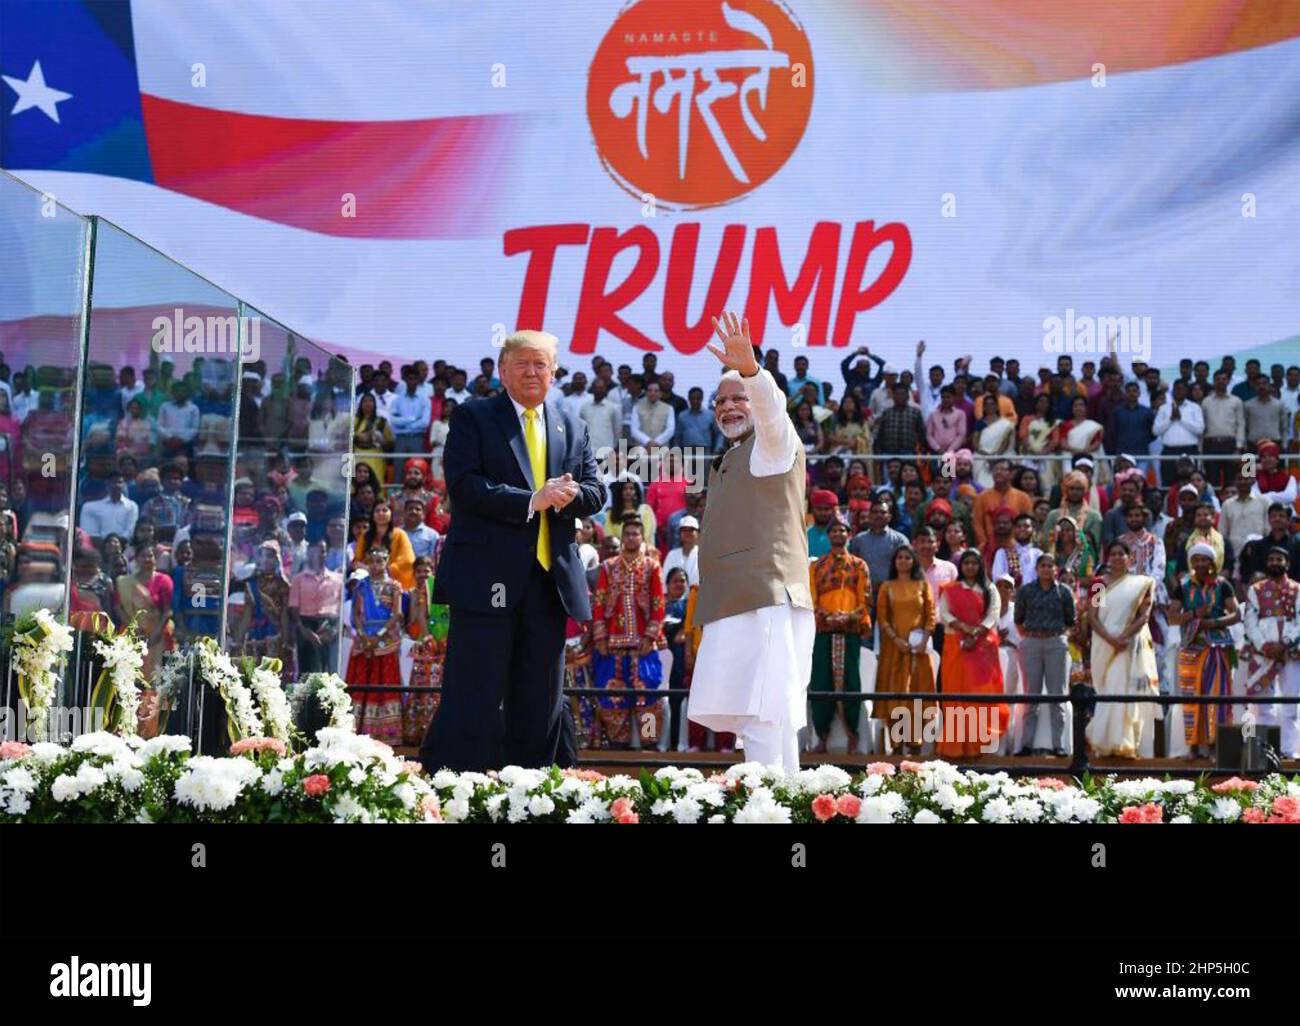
1255,754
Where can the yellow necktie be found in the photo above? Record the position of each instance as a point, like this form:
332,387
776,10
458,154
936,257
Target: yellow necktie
537,459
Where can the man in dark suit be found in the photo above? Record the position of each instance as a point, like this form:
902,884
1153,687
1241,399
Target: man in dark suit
519,470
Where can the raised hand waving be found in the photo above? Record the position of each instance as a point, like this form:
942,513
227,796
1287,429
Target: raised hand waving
739,352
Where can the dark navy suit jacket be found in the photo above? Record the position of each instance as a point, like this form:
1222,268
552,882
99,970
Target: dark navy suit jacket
491,544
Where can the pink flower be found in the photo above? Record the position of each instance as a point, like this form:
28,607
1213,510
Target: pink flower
1253,815
628,817
1234,784
622,807
430,807
13,749
848,805
1149,813
590,776
1050,784
824,807
259,744
884,769
1288,808
412,767
316,785
910,767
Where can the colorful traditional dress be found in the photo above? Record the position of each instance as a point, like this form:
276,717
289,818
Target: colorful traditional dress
1116,728
376,619
1204,656
971,670
841,583
1272,616
149,605
578,674
427,622
627,608
908,607
269,594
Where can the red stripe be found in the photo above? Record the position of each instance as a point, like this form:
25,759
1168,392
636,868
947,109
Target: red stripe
432,178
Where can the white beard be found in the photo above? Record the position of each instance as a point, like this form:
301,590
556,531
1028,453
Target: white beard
734,431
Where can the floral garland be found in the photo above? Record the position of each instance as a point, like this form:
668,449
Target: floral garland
117,690
37,645
331,691
217,668
264,680
350,778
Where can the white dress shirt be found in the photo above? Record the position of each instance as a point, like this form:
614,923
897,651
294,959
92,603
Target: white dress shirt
1187,430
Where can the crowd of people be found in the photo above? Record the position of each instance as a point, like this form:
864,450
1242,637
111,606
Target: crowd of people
973,533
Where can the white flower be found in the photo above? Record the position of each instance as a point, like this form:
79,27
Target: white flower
1086,810
46,752
65,788
493,806
357,776
127,776
1026,810
16,803
687,810
273,783
1178,786
540,805
209,783
762,807
20,779
456,810
1181,819
90,777
165,744
998,810
872,783
1225,809
101,742
405,794
596,809
346,809
444,779
926,816
719,818
881,808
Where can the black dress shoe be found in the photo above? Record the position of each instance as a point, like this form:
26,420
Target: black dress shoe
1026,751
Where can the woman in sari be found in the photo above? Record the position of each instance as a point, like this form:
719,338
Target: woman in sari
1203,607
1075,505
145,598
136,432
969,608
1081,436
372,436
905,611
1038,438
995,438
1123,658
377,639
426,622
1074,553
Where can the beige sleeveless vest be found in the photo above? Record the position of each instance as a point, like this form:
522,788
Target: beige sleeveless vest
754,545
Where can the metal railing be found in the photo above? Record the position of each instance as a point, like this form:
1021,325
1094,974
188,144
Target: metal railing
1080,698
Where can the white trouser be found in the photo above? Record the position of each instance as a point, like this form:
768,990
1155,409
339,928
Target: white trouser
772,744
1288,716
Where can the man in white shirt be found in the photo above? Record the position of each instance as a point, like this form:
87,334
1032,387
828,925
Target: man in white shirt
1289,393
653,420
576,398
604,419
687,555
458,391
1179,425
113,514
23,400
928,388
1020,558
130,388
178,421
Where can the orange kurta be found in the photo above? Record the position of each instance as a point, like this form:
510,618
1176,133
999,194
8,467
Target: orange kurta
905,606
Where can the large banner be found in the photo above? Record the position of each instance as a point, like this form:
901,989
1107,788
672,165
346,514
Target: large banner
409,180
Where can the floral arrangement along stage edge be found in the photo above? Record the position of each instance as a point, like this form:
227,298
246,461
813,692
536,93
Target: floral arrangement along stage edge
345,778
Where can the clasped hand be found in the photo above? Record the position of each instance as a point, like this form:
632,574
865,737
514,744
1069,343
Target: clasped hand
557,493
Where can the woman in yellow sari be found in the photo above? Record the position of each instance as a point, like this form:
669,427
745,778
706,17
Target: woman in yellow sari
1123,656
1038,438
372,436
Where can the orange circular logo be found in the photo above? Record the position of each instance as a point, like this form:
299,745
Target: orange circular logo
696,102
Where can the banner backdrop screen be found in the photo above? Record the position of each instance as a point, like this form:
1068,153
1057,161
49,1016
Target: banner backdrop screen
410,180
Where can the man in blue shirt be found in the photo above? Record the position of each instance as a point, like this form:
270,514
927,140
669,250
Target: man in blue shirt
1130,425
801,378
695,425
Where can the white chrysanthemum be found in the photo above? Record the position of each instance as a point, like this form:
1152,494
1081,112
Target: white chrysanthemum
444,778
707,794
456,810
405,794
572,787
165,744
90,778
540,805
357,776
881,808
46,752
762,807
926,816
719,818
128,777
517,776
493,806
596,809
998,810
871,783
1026,810
101,742
622,782
1181,819
1178,786
687,810
1225,809
273,783
20,778
1086,810
209,783
15,803
1131,790
662,807
65,788
578,817
346,809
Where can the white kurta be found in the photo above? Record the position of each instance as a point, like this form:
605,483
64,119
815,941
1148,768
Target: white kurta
754,667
